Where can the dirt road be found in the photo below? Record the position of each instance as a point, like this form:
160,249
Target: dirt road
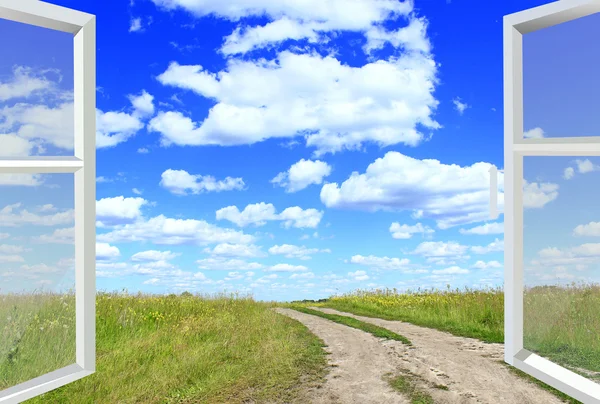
449,368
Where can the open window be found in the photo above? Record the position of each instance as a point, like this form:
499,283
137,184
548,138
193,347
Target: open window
551,210
47,198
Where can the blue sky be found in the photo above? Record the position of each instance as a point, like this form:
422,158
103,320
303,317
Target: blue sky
296,149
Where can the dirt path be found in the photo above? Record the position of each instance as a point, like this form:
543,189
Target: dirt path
468,367
360,362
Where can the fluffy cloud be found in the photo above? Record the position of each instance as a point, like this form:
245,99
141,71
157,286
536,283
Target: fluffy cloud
311,20
535,133
406,231
440,252
487,265
583,167
335,106
59,236
222,264
495,246
450,194
179,182
235,250
293,251
259,214
592,229
24,83
454,270
154,255
569,173
26,180
459,105
302,174
13,215
286,268
358,275
384,263
571,258
119,210
488,228
167,231
105,251
143,104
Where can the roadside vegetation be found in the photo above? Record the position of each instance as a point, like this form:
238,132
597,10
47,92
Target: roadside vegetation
162,349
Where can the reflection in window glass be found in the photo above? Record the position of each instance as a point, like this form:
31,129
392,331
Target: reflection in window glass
37,276
560,80
561,254
36,91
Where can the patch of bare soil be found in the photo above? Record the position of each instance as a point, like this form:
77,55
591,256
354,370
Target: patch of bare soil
468,368
360,362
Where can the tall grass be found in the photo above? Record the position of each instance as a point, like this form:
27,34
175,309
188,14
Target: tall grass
168,349
560,323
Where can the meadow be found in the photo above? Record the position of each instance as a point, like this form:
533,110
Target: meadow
168,349
560,323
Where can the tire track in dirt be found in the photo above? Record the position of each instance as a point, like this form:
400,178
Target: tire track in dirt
359,362
468,367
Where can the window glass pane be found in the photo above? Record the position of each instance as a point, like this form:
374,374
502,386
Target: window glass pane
560,80
561,255
37,276
36,91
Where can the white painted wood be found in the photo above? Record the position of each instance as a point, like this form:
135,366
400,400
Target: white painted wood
83,165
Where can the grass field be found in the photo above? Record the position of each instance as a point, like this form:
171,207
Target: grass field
562,324
162,349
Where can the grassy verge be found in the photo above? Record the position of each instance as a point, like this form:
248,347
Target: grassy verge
560,324
377,331
168,349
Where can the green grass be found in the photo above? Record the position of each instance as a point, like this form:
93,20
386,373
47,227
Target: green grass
163,349
561,324
407,386
377,331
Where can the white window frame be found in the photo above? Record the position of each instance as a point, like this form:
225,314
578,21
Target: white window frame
515,148
83,165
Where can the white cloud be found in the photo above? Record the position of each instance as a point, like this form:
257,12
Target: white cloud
167,231
459,106
485,229
13,215
412,37
487,265
535,133
136,191
119,209
4,236
135,25
450,194
143,150
571,258
222,264
105,251
113,128
592,229
586,166
59,236
406,231
11,249
154,255
436,250
335,107
293,251
235,250
384,263
538,195
311,20
454,270
305,275
26,180
143,104
569,173
259,214
495,246
358,275
179,182
286,268
23,83
302,174
15,146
